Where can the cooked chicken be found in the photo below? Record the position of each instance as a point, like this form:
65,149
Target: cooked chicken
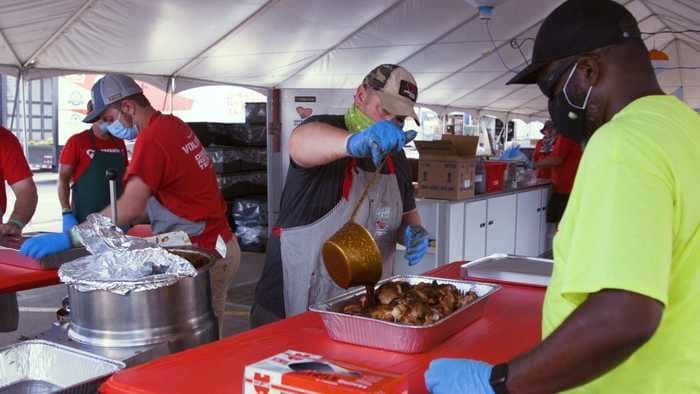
421,304
381,312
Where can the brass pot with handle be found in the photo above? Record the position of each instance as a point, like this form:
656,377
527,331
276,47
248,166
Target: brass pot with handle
351,255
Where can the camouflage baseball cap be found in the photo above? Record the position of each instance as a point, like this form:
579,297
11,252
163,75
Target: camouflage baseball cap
396,88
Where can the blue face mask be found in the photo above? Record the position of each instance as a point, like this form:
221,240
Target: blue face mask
104,127
118,130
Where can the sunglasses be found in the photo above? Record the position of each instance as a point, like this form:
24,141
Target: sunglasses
548,84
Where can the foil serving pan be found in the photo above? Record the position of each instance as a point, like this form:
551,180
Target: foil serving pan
365,331
39,366
533,271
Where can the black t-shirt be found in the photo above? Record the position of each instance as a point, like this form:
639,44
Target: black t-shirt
310,193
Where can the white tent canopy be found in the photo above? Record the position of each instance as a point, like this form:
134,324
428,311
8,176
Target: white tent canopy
319,44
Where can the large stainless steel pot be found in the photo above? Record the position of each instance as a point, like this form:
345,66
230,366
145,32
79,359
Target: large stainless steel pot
179,314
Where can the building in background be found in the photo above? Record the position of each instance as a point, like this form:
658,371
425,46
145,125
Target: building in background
55,107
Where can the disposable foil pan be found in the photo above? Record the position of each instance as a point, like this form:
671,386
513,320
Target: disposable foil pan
509,268
403,338
39,366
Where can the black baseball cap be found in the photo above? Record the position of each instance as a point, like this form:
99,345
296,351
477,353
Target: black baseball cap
577,27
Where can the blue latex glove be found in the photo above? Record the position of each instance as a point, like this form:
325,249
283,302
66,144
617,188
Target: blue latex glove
378,140
44,245
69,221
416,240
453,375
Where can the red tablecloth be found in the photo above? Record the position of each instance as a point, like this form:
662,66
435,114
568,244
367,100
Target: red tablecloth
15,278
511,325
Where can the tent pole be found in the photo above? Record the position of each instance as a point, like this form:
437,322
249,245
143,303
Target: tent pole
25,131
172,94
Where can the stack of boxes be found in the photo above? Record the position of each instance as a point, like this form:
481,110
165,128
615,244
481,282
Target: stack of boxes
446,168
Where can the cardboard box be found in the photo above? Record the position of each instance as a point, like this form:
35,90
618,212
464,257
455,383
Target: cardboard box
298,372
446,168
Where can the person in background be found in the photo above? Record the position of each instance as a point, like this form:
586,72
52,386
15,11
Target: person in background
14,170
84,160
332,158
170,181
563,162
621,310
543,149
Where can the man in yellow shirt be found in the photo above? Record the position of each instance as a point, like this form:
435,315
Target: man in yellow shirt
622,312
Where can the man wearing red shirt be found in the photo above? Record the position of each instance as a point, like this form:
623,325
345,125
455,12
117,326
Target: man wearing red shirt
83,163
170,179
543,149
15,171
563,161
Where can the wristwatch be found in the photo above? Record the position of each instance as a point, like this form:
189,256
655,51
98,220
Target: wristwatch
498,379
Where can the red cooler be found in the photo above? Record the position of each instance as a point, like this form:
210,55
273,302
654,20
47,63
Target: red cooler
495,172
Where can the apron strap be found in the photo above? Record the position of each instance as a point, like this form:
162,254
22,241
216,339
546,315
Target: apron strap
347,179
92,140
347,183
352,165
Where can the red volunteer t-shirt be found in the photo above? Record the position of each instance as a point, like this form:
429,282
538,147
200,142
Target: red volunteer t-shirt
79,148
539,154
563,176
13,165
169,158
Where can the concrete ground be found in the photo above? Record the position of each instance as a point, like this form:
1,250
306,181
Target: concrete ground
38,307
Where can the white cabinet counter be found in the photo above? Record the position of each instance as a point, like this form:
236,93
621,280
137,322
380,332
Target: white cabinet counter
506,222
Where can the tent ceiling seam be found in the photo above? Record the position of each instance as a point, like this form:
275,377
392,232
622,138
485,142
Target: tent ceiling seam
228,34
663,22
491,52
521,88
483,56
58,33
439,38
482,86
337,44
11,48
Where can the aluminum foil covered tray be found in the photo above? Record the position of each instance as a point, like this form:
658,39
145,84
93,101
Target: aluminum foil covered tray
365,331
38,366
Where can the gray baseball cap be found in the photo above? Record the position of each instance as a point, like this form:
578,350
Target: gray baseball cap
110,89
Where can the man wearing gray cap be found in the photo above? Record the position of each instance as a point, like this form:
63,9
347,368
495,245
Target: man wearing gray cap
332,158
170,179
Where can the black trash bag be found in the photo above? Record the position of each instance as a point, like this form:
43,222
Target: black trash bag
255,113
242,184
229,160
249,216
230,134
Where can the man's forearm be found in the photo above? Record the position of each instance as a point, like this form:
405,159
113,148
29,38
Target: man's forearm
598,336
315,144
64,194
26,200
131,206
128,213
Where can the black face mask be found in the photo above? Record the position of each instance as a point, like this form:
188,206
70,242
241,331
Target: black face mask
569,119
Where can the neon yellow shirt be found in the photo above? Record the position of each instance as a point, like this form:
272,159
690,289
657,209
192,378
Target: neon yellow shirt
633,223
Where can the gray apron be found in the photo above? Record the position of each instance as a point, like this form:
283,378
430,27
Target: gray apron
164,220
306,280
